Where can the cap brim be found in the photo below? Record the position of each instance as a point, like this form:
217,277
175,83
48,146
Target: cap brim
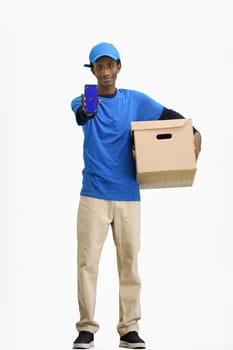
87,65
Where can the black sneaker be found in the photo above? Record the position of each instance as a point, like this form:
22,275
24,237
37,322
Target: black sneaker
85,340
132,340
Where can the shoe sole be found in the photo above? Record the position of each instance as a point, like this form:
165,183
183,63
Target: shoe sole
125,344
83,345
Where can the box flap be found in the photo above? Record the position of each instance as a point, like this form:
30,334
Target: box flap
159,124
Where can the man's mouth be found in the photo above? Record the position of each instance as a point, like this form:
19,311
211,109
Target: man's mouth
106,80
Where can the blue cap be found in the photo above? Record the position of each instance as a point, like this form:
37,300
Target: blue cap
100,50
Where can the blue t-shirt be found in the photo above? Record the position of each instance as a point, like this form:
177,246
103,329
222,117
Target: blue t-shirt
109,166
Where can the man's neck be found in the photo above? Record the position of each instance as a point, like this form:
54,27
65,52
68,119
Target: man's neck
107,91
108,94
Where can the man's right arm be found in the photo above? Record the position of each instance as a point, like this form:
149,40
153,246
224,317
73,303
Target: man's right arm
77,106
82,117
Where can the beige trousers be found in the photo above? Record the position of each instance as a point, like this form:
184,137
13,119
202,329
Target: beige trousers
95,216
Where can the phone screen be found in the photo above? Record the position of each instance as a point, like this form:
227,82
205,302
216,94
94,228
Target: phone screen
91,96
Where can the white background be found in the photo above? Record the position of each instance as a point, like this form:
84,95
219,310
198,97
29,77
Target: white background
180,52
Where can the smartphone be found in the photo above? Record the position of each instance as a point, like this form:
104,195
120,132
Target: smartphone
91,96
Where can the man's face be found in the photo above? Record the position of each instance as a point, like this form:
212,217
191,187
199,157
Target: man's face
106,69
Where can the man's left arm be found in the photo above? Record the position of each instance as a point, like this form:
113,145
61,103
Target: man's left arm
197,143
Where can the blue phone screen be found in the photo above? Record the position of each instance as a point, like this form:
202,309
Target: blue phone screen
91,95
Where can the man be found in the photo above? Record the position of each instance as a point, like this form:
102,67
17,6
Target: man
110,194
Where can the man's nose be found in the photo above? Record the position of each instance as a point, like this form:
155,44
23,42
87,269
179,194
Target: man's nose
106,71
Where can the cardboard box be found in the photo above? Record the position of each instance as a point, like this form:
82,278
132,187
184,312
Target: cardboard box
164,153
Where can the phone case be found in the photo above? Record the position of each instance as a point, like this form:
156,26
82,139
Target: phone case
91,95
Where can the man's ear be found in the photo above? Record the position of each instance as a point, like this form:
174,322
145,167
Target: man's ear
92,70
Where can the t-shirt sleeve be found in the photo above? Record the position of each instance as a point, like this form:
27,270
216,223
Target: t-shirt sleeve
148,108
